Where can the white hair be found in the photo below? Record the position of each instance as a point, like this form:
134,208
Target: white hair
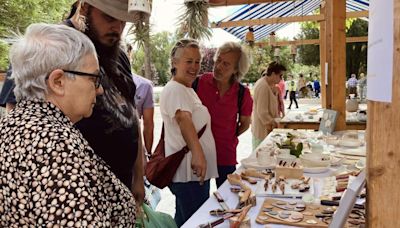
177,51
44,48
243,64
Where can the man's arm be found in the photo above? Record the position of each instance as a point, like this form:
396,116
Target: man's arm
244,123
148,118
138,182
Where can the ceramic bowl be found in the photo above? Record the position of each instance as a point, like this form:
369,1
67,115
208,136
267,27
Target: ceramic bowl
331,140
315,160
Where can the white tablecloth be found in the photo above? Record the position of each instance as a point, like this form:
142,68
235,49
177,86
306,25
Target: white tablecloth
202,214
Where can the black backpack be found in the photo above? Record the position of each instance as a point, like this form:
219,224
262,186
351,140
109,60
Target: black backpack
239,104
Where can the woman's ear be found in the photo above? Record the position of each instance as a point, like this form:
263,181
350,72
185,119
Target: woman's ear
56,82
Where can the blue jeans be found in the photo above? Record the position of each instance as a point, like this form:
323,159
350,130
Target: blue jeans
188,198
223,171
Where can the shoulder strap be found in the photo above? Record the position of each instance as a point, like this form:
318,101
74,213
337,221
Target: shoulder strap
195,83
239,105
199,134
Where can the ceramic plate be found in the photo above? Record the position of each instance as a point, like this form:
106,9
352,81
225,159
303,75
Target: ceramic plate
350,143
253,163
353,152
316,169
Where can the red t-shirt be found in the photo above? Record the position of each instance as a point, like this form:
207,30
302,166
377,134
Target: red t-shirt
223,111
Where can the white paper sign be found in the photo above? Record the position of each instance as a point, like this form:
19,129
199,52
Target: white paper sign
380,51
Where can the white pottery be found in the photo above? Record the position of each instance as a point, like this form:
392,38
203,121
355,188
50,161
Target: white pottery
139,6
315,160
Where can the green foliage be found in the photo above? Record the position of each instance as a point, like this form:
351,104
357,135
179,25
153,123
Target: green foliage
194,21
16,15
309,72
308,54
160,48
356,53
262,56
295,149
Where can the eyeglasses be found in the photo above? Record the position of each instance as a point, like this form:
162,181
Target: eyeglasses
98,77
182,44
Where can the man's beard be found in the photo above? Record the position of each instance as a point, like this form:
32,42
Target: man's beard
107,54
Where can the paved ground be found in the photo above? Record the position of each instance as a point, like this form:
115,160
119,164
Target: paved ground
167,203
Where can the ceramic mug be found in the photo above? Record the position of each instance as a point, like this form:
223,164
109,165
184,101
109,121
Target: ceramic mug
317,148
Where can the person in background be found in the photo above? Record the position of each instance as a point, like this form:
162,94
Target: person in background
49,173
219,91
184,115
317,87
144,106
6,99
286,87
112,130
281,104
301,84
265,108
282,87
292,91
362,87
352,85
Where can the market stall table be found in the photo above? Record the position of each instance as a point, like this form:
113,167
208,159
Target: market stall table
295,119
202,215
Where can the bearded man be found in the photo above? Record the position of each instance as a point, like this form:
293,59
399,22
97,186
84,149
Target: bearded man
112,130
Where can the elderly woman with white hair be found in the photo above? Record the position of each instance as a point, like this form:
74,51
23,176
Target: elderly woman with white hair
229,103
49,175
184,116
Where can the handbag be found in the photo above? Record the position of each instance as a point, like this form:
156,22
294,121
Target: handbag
160,169
154,219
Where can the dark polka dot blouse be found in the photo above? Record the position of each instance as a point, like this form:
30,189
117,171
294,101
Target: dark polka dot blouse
50,177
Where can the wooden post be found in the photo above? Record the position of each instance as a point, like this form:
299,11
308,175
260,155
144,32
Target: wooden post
336,45
323,58
383,134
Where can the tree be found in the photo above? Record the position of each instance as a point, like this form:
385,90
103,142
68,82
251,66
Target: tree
308,54
160,48
262,56
17,15
356,53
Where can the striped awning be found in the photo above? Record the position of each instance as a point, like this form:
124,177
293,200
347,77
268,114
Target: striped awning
279,9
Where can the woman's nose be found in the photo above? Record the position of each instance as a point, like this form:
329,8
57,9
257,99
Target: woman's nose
100,90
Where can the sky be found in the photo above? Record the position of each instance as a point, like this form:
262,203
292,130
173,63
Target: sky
165,13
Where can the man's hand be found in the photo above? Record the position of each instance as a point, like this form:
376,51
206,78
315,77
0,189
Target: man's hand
138,191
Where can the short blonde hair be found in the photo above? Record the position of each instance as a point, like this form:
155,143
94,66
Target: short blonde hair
176,51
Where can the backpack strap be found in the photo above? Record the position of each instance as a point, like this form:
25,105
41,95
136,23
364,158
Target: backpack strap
195,83
239,105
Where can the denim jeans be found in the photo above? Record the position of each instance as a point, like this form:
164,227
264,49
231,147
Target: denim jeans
223,171
188,198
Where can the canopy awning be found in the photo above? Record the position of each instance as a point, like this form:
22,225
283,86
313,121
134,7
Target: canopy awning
279,9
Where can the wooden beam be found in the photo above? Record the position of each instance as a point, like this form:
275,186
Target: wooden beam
383,157
309,42
265,21
217,3
357,14
323,59
276,20
336,41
